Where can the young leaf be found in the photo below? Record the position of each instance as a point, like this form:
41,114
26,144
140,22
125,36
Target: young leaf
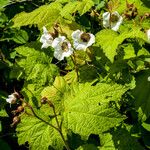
87,108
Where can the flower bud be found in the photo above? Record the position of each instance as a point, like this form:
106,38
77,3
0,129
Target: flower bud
16,120
20,109
44,100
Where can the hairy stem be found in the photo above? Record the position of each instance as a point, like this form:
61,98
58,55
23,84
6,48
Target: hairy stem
59,127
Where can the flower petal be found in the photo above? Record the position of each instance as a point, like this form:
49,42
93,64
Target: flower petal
92,40
59,53
76,34
148,34
106,19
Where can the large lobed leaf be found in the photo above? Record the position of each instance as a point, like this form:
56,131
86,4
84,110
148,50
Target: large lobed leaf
87,109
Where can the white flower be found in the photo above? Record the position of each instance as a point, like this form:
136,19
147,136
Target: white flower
148,34
46,38
82,40
112,20
11,98
62,48
148,78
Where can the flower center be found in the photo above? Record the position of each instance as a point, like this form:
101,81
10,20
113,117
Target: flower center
114,18
64,46
85,37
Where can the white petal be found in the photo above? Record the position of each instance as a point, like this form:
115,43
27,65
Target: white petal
68,53
58,55
106,19
76,34
11,98
8,100
115,26
57,45
148,78
148,34
44,30
45,45
80,46
91,41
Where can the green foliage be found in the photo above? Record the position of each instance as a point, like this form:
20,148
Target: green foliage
120,138
4,145
4,3
47,14
109,40
35,66
94,99
88,109
38,134
141,94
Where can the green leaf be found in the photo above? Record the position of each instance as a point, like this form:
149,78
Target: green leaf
37,70
69,9
109,40
36,63
141,6
129,52
123,140
87,108
146,126
73,6
87,147
3,3
141,93
20,37
3,113
38,134
84,6
46,14
4,145
71,77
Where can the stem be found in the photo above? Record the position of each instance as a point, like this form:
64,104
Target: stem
41,118
60,129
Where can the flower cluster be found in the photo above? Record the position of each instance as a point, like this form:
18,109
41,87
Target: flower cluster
61,44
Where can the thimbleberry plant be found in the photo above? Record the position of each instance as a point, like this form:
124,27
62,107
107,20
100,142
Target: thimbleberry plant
79,73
